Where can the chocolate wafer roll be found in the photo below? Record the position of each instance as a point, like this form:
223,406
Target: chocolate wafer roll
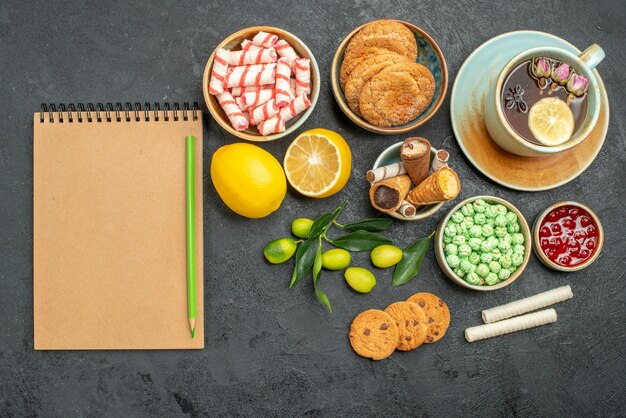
415,154
386,172
406,209
388,195
441,158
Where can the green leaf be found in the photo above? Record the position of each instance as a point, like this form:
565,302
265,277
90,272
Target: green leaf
372,225
321,296
322,223
411,261
317,264
360,241
305,257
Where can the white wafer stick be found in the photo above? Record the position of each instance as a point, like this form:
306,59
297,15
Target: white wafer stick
441,159
386,172
507,326
283,49
406,209
218,72
528,304
264,39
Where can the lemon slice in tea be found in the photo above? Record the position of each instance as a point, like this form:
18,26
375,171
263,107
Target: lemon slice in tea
551,121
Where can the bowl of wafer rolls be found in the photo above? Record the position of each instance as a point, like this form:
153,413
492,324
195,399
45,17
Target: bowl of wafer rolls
389,76
411,180
261,83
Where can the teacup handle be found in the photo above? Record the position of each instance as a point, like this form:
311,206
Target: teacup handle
592,56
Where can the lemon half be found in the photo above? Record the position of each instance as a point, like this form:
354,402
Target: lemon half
551,121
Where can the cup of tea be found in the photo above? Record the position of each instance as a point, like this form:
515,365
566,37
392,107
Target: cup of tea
546,100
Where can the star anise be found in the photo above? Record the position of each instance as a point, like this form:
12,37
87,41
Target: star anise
514,98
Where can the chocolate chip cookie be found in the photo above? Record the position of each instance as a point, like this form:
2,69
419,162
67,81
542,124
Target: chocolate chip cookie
411,322
374,334
437,313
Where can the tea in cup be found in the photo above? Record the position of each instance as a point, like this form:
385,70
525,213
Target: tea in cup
546,100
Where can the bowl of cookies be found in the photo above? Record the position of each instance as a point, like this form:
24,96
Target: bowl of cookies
389,76
411,180
261,83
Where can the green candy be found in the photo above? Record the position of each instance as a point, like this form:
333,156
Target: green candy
451,249
504,274
491,222
496,254
459,272
486,258
508,238
467,210
501,220
486,246
480,219
505,261
487,230
491,212
517,260
453,261
504,246
501,209
475,231
515,227
519,249
479,205
466,266
473,278
474,243
468,221
450,230
482,270
460,229
464,250
458,240
517,238
491,279
511,217
500,231
447,239
457,217
495,267
474,258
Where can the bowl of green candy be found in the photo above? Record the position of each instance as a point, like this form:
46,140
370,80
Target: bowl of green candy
483,243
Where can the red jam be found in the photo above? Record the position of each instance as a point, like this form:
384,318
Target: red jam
568,235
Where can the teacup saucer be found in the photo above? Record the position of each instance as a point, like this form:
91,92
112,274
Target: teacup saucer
466,110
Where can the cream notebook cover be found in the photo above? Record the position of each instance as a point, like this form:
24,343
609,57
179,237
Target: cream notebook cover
109,228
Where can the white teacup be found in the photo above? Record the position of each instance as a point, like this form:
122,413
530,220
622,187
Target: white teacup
504,134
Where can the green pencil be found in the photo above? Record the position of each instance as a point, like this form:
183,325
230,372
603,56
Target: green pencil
191,240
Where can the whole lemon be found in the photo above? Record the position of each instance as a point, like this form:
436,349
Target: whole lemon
249,179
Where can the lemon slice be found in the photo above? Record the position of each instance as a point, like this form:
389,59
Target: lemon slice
551,121
318,163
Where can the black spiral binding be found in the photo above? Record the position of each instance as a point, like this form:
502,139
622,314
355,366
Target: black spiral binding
110,112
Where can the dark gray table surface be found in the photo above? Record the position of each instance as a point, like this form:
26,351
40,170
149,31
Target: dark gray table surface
272,351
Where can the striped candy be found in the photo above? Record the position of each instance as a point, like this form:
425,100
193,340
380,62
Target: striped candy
303,76
251,56
218,72
263,112
234,113
283,77
285,50
273,125
264,39
238,91
250,75
300,104
256,98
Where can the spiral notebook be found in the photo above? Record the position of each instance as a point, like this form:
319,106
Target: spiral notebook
109,227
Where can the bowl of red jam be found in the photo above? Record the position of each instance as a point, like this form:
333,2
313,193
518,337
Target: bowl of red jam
567,236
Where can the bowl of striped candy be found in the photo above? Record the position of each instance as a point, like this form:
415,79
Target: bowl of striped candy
261,83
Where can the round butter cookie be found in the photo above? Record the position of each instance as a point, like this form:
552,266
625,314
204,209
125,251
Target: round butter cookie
364,70
437,313
390,100
373,334
411,322
392,30
349,63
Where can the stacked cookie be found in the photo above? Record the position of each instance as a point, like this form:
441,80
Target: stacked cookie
403,326
380,78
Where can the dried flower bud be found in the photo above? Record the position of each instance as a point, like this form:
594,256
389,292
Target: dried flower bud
540,67
560,74
577,85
